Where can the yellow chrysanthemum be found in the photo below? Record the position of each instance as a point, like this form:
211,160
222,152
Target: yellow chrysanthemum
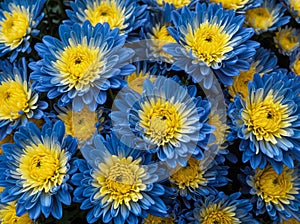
221,128
120,181
231,4
296,66
8,215
286,39
42,167
14,26
295,4
107,11
15,99
81,125
177,3
209,42
135,80
259,18
274,187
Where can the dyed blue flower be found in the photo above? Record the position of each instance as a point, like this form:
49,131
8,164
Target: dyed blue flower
35,170
268,17
81,66
18,22
210,40
267,121
238,6
294,8
117,183
19,102
166,119
125,15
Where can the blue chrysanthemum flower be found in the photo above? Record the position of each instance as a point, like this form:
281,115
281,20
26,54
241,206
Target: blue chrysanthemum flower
295,62
116,183
34,170
287,40
18,22
276,194
263,62
81,66
126,15
267,121
18,100
239,6
221,208
268,17
166,119
210,40
198,178
293,7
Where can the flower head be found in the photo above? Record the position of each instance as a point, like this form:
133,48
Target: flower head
34,170
82,65
295,62
287,40
17,99
240,6
267,120
293,7
268,17
276,194
8,215
166,119
18,22
210,40
125,15
116,183
263,62
221,208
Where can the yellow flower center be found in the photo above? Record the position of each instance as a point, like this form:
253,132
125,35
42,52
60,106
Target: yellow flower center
231,4
296,67
42,168
274,187
295,4
79,65
136,81
259,18
14,26
161,121
214,213
176,3
80,124
108,11
14,98
190,176
8,215
209,42
151,219
290,221
120,181
266,118
216,120
240,82
286,40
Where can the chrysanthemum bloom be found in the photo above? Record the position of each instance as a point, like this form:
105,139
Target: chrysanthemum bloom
295,62
80,125
267,121
18,22
198,179
166,119
34,170
17,99
126,15
81,66
268,17
221,208
8,215
276,194
210,40
287,40
240,6
263,62
294,8
116,183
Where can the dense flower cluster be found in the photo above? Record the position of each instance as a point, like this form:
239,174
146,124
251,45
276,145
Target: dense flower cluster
150,111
